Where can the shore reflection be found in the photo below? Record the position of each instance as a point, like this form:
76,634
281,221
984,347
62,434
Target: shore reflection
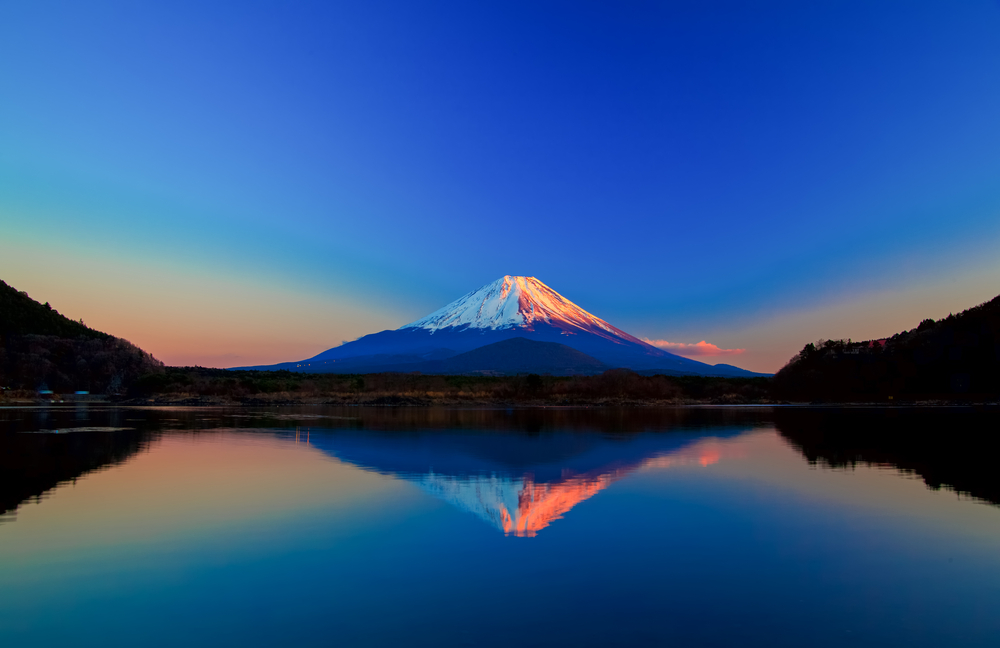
518,470
947,447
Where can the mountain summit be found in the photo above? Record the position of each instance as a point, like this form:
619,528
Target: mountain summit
518,302
510,307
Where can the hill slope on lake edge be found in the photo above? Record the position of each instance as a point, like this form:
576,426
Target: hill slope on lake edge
955,358
40,349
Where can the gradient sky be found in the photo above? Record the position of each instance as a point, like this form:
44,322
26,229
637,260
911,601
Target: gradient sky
249,182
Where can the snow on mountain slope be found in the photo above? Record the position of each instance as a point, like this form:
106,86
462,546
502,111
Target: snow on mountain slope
519,302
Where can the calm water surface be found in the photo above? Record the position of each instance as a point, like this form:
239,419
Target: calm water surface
436,527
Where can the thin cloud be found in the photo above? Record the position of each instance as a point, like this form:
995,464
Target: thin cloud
702,348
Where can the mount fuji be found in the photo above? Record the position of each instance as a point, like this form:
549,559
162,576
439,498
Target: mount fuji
510,307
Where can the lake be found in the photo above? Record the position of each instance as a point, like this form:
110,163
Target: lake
316,526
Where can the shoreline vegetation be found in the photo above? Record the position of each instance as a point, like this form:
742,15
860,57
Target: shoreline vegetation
616,387
200,386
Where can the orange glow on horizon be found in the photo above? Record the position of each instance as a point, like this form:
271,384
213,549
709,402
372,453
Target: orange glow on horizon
702,348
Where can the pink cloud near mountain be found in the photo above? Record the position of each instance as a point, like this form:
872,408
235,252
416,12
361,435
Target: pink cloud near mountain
702,348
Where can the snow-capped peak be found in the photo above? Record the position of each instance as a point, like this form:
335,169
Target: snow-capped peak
516,302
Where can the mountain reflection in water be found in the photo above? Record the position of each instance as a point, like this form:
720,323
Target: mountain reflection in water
519,469
523,507
520,490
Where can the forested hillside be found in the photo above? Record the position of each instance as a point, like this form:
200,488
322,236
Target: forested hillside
41,349
954,358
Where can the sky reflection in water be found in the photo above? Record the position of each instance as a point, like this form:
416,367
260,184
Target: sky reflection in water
444,527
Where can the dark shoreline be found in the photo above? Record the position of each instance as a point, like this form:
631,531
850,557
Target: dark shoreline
277,400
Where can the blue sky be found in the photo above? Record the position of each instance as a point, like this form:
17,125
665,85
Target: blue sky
273,178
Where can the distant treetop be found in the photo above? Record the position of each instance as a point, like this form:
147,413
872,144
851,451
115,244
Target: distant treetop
22,315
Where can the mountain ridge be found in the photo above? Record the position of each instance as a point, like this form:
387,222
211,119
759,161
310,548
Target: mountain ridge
509,357
510,307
